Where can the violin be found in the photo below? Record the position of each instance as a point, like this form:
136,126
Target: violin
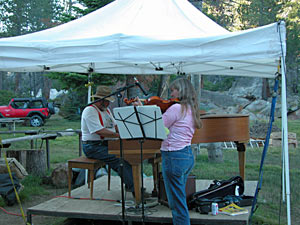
155,100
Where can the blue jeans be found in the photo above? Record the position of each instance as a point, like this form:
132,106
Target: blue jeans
176,166
99,150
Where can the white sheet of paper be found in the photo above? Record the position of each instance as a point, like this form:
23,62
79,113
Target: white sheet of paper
150,118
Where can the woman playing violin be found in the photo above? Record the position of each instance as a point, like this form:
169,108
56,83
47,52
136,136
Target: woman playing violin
181,119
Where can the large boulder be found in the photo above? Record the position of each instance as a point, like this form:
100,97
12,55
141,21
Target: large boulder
59,176
222,99
246,87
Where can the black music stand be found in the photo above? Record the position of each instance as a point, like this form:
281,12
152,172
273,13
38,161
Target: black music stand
140,123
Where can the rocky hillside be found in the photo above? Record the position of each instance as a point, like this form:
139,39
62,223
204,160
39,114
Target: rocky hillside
245,97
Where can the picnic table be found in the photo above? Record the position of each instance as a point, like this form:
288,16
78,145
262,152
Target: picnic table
5,143
58,132
11,122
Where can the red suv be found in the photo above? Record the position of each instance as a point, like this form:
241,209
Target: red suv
36,109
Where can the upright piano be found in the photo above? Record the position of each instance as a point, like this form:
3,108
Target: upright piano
215,128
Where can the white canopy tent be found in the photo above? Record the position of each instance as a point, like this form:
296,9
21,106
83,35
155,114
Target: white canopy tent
152,37
147,37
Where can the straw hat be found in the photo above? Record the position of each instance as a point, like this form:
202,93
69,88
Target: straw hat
103,91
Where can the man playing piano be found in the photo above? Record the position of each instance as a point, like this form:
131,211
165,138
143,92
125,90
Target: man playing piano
98,125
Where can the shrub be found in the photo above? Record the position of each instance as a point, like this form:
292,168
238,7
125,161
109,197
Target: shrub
6,96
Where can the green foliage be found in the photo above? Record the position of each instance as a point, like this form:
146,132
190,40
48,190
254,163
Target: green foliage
291,14
93,5
6,96
153,88
222,12
32,180
258,13
72,81
32,186
89,6
75,82
74,101
70,109
223,84
26,16
2,202
245,14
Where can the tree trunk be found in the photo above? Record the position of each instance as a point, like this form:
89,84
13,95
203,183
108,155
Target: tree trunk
164,86
34,84
1,80
36,162
196,81
215,152
265,89
46,87
19,155
17,82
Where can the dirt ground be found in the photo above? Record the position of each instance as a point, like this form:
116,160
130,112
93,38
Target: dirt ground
12,216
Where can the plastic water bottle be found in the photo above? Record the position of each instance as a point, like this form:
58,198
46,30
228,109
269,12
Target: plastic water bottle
237,193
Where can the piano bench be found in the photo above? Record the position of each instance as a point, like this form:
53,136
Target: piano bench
91,165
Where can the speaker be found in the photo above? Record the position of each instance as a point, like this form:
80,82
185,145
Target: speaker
190,189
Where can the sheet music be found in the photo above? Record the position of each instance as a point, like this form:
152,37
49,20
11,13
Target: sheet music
150,117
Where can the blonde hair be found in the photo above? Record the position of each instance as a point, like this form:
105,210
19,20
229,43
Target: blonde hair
188,98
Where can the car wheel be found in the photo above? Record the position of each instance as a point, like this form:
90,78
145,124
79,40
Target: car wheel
36,121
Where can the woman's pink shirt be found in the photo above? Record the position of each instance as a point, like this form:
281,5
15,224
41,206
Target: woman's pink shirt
181,128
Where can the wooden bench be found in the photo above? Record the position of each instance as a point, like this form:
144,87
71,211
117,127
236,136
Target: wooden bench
7,142
91,165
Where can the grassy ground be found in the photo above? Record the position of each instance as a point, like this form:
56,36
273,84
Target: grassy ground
271,209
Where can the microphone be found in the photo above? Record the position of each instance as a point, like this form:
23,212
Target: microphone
140,86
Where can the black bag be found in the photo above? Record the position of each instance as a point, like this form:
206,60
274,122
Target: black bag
222,192
221,188
7,191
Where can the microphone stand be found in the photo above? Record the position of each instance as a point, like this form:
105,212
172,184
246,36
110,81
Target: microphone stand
142,169
119,96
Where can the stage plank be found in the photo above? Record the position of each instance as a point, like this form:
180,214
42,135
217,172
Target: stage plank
108,210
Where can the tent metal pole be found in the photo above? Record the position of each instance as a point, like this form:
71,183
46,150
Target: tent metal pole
89,84
89,88
283,170
285,139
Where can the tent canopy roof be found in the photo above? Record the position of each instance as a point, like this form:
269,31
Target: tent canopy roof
147,37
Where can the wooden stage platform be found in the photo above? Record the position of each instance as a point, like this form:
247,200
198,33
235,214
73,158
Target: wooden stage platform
111,210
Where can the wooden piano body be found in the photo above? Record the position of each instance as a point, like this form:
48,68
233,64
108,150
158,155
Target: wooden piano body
132,154
215,128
